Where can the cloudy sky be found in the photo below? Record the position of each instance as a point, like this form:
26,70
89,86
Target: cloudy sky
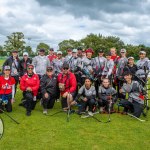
52,21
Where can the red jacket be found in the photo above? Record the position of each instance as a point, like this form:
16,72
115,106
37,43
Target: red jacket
70,82
6,85
51,57
115,59
32,82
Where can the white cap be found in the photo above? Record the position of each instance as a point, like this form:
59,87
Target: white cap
130,58
25,53
74,51
59,52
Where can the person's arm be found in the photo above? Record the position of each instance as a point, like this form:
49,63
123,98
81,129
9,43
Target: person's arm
73,83
22,84
43,85
80,92
36,87
110,69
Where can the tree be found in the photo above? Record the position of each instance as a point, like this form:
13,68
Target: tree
66,44
15,41
43,46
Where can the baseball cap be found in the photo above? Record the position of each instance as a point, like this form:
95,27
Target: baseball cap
142,52
42,50
6,67
100,51
59,52
49,68
130,58
74,50
25,54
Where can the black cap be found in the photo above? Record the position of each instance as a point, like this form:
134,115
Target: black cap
42,50
49,68
108,54
100,51
79,48
51,49
127,73
14,51
65,65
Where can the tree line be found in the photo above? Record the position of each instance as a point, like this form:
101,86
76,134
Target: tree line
95,41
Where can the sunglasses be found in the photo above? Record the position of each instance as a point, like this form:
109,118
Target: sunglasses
30,68
49,70
65,68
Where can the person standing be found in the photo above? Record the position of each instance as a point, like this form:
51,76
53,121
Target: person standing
51,55
41,62
24,62
14,63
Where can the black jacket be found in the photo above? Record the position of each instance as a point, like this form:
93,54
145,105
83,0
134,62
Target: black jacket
49,85
23,65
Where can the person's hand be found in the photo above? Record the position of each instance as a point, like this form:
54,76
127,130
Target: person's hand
12,100
65,94
46,95
73,103
109,97
85,99
121,91
29,89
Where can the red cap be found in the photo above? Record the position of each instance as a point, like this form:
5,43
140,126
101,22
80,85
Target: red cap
89,50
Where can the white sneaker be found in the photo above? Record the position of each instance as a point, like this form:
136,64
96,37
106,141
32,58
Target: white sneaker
45,111
34,98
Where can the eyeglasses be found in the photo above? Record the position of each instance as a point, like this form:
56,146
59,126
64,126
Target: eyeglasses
30,68
65,68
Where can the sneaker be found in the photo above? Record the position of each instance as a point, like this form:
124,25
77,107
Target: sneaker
34,98
28,113
45,111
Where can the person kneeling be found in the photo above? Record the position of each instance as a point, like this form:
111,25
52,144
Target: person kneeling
29,84
107,96
135,101
87,94
7,90
49,89
67,86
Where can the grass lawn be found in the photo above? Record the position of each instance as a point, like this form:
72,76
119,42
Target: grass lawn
39,132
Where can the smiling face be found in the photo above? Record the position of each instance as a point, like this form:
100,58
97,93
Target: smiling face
15,54
128,77
88,82
7,72
30,69
142,55
106,83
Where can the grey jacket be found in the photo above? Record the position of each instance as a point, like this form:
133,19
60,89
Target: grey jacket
40,63
109,65
98,64
121,64
134,90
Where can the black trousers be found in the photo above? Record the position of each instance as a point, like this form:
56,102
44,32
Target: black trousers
119,85
30,104
90,102
7,106
134,107
105,103
49,102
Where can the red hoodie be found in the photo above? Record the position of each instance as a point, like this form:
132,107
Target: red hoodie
70,82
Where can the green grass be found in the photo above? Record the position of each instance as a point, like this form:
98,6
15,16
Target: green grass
39,132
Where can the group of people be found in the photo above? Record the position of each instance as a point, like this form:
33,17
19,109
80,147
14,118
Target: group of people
77,78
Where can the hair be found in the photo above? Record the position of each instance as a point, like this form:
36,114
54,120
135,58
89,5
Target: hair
87,78
106,79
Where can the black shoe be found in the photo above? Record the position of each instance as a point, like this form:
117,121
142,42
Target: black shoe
28,113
